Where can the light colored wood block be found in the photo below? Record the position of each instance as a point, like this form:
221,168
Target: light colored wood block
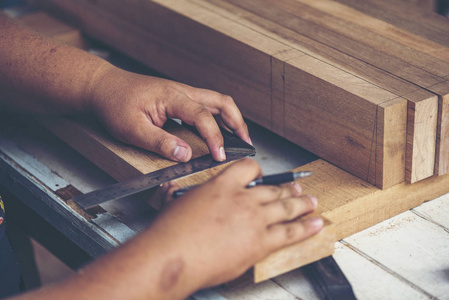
422,120
318,246
247,52
44,23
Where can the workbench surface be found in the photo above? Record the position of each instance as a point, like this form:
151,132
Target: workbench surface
405,257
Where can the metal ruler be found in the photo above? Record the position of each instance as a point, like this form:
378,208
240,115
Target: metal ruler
235,148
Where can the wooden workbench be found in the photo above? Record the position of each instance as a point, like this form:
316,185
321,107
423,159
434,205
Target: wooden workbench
405,257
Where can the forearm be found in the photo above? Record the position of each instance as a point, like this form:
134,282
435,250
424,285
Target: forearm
149,267
41,75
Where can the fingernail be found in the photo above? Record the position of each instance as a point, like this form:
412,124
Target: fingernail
180,153
248,140
164,187
316,222
297,187
222,154
314,200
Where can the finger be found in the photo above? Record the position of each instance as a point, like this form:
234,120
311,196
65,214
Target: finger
167,189
240,173
224,106
197,115
153,138
269,193
294,187
288,209
284,234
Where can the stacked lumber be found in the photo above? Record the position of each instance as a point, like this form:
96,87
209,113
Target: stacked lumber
122,161
364,114
361,84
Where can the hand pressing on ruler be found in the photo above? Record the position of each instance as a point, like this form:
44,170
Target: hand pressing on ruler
135,107
44,76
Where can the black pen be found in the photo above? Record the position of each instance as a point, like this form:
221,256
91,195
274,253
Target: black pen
274,179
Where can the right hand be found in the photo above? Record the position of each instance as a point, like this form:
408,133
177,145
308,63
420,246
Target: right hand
224,228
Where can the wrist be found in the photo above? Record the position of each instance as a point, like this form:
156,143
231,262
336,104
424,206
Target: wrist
99,88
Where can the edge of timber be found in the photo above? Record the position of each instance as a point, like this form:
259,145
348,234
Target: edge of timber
352,204
390,143
442,147
422,118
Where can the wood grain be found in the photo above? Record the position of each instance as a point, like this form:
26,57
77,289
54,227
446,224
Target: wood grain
341,20
123,162
239,54
44,23
442,145
347,103
300,254
353,205
422,120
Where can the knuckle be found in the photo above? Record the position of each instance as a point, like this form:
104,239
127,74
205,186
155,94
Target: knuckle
289,208
202,113
290,232
161,142
227,100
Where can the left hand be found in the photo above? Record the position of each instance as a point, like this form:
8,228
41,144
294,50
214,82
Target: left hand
134,107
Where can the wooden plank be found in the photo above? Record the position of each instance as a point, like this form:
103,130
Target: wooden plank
391,129
421,136
142,46
402,244
426,4
123,162
343,100
292,15
435,211
360,273
371,31
442,145
340,60
353,202
297,255
215,59
353,205
418,21
44,23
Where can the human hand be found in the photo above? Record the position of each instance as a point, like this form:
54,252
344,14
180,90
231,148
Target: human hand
134,107
223,228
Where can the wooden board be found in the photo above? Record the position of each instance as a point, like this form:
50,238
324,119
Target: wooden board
123,162
347,201
239,42
339,34
250,57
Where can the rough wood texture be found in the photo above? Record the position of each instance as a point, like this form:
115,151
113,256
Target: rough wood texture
123,162
253,49
353,205
44,23
378,114
297,255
